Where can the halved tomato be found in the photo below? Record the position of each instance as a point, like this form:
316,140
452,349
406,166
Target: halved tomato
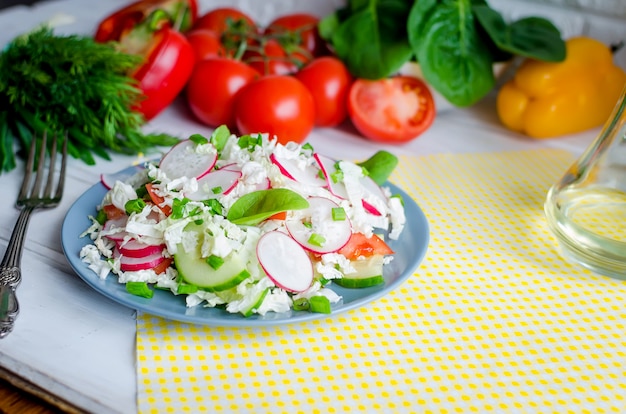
392,110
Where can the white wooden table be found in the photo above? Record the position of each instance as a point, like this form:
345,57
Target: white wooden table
79,345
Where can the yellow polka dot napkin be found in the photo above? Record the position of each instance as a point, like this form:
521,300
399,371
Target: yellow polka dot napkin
494,320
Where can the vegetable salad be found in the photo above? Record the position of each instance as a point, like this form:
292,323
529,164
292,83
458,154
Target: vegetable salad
247,224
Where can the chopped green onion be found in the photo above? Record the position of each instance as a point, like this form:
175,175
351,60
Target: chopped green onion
214,205
319,304
199,221
101,217
142,192
248,142
400,197
219,137
337,175
338,213
185,289
215,261
139,289
178,207
216,190
301,304
317,240
308,147
307,224
199,139
134,206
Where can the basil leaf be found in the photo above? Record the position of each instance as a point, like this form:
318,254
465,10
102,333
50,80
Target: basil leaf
254,207
452,56
532,37
380,166
371,42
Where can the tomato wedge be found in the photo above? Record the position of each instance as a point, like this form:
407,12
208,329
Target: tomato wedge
391,110
361,245
158,200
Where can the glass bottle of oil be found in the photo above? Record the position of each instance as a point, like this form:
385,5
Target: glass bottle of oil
586,209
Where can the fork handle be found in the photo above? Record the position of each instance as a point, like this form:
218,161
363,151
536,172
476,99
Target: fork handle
11,275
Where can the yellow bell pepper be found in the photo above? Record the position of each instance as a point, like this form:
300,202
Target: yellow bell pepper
547,99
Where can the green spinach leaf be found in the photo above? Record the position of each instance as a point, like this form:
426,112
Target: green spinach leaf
532,37
253,208
452,56
372,39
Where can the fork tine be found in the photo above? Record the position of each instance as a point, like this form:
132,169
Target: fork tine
29,169
36,190
61,184
51,167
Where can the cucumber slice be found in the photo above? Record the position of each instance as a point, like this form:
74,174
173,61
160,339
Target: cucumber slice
195,270
255,303
369,272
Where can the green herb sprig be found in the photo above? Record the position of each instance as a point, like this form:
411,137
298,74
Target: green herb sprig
70,84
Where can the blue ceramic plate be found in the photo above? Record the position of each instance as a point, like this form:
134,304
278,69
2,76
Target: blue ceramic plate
410,249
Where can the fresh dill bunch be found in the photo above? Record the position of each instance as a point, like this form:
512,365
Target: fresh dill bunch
74,84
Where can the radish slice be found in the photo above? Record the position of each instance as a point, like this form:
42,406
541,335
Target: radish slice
183,161
108,180
135,248
215,184
327,165
265,184
118,223
134,264
321,234
290,169
372,189
285,262
339,189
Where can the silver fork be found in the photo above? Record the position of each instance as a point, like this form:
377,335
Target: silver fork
32,196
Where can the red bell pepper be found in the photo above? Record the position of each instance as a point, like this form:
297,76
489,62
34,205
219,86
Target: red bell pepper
168,63
168,57
182,14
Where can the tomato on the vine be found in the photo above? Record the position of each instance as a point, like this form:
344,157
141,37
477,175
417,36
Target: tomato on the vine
269,59
392,110
300,31
212,88
278,105
222,18
205,43
328,80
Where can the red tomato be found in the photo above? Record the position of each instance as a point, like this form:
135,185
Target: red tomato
212,88
169,61
270,59
279,105
304,27
392,110
184,14
162,267
205,44
112,212
158,200
219,19
360,245
328,80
